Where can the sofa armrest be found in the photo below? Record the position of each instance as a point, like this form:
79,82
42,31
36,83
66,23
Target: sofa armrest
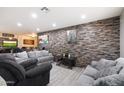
40,69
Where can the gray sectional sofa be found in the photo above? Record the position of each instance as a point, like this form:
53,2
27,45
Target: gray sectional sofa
23,74
103,73
40,56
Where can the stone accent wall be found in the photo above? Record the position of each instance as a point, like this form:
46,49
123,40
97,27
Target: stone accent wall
95,40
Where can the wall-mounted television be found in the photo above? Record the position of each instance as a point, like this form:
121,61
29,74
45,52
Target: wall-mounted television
10,44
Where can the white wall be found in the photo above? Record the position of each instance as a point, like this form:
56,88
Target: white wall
122,34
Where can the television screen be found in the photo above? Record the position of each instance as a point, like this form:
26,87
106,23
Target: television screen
9,44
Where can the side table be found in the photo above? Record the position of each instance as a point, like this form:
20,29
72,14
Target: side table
70,62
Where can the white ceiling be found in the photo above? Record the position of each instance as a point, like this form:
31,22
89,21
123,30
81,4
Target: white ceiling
62,16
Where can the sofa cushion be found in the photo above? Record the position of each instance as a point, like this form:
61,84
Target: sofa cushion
120,61
22,55
31,54
94,63
110,71
44,53
39,54
85,80
92,72
112,80
19,60
104,63
35,54
45,59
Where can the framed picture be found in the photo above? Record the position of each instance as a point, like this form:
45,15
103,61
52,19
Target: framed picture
71,36
28,42
43,40
7,35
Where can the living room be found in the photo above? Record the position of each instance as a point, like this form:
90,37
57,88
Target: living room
47,46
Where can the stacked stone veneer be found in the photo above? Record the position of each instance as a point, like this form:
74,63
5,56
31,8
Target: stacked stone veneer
95,40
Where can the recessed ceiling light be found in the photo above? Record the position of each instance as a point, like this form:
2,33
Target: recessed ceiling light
19,24
34,15
38,29
83,16
54,24
34,35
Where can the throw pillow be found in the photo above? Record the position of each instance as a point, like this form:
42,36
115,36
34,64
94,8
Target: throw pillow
104,63
31,54
22,55
110,71
92,72
94,63
112,80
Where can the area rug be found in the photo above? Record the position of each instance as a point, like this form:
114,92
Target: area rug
60,76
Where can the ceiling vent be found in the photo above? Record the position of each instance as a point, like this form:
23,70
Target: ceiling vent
45,9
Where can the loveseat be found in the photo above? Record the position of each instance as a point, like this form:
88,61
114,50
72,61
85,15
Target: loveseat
103,73
39,56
